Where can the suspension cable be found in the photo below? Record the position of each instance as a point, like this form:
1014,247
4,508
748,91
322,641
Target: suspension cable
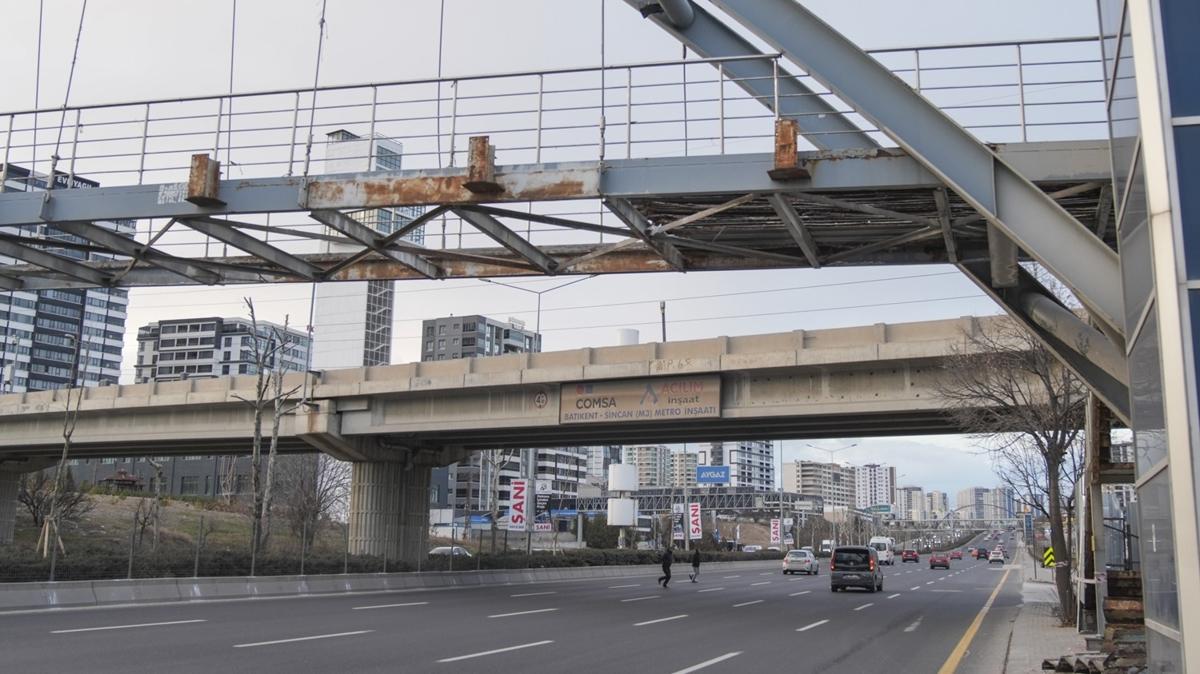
66,95
312,111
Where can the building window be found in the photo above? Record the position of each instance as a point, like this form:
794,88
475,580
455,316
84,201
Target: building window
429,345
189,484
441,329
441,344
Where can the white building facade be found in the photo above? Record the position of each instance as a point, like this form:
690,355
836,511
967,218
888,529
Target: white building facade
875,485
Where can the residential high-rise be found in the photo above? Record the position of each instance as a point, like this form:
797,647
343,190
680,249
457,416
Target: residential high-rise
971,503
45,335
1000,503
683,469
875,485
453,337
211,347
352,321
600,457
833,482
751,462
653,464
937,504
910,503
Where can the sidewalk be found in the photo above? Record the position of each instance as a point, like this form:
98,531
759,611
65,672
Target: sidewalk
1036,632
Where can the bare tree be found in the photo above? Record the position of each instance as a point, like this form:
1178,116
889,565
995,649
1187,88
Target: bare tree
266,351
1028,411
35,493
313,488
50,541
495,460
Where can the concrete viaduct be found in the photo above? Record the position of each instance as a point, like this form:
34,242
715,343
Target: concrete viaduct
395,422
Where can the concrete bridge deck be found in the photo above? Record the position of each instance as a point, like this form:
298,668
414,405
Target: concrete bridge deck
878,379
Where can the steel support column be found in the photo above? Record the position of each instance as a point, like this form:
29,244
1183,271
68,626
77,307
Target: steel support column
1007,199
819,122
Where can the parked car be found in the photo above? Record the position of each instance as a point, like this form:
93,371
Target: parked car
996,556
801,561
457,551
939,559
910,555
956,554
855,566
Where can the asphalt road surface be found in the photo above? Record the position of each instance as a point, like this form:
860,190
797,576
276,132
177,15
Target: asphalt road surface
727,622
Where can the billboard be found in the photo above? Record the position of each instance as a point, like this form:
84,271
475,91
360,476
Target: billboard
695,528
677,521
658,399
775,531
518,512
541,512
712,474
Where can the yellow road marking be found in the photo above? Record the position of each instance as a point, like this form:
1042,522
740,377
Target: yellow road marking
951,664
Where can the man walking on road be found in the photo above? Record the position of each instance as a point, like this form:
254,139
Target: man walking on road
667,558
695,575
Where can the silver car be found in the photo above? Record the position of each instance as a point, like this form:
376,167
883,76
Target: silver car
801,561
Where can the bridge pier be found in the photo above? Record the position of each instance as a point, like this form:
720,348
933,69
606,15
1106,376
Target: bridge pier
8,505
389,509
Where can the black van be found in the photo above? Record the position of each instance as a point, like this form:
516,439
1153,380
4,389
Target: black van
855,566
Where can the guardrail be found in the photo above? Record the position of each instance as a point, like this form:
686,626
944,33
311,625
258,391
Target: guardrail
1002,92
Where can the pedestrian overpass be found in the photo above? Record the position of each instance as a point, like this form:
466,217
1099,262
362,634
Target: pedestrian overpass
858,158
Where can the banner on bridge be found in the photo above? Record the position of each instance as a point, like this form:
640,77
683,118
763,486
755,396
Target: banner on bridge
695,528
658,399
518,511
775,531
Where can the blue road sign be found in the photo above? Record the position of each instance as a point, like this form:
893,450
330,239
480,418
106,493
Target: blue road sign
712,474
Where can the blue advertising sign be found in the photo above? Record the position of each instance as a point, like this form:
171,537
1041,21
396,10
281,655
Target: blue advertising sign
712,474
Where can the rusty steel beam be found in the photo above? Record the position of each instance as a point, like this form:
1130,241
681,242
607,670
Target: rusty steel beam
495,230
796,228
370,238
543,183
641,226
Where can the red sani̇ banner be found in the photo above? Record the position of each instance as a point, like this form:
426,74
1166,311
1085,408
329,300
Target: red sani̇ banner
775,531
518,512
695,530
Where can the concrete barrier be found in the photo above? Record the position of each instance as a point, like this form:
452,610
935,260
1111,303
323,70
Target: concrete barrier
78,593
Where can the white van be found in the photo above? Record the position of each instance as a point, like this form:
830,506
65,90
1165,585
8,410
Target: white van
885,546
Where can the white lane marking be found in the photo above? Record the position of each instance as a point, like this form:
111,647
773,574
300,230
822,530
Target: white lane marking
866,605
945,590
893,596
809,627
915,588
706,663
748,603
289,641
509,615
531,594
731,576
125,627
929,583
913,627
498,650
653,596
411,603
618,587
765,582
797,594
768,573
660,620
711,589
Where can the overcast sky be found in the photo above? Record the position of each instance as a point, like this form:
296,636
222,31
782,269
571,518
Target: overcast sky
137,49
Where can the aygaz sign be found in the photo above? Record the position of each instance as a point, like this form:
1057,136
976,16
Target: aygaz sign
657,399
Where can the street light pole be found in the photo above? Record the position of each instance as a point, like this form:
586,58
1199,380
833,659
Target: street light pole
539,293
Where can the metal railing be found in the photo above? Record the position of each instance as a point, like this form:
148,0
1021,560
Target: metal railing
1011,91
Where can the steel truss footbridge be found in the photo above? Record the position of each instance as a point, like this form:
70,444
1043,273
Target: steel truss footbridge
813,154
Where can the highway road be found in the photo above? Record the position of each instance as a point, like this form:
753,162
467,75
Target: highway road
727,622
